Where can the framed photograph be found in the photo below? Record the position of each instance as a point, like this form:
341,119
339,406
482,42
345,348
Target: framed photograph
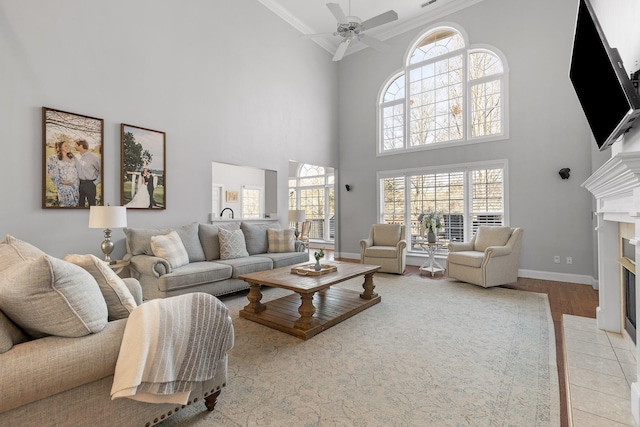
72,160
232,196
143,176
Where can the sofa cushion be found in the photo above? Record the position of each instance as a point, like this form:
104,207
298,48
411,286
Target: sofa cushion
469,258
13,251
10,334
281,240
491,236
248,264
255,236
232,244
284,259
139,240
209,239
170,247
381,252
49,296
193,274
120,301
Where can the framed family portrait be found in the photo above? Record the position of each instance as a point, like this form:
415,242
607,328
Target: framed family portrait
72,160
143,168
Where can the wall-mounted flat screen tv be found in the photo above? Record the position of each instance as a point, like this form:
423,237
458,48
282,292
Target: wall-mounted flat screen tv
605,91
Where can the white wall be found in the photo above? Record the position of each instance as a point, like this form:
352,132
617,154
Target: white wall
548,131
227,81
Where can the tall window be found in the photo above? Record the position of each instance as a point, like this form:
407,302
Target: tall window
252,201
312,190
447,93
466,196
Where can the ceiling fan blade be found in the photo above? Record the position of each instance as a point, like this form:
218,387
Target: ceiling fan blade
342,48
337,12
317,35
373,42
383,18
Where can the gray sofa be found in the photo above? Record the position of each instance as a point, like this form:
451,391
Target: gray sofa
51,378
207,270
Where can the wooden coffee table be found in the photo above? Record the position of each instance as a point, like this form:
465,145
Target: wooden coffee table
315,305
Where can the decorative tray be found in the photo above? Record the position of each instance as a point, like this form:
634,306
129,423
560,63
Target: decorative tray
308,269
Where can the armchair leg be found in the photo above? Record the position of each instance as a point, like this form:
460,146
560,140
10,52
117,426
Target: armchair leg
211,400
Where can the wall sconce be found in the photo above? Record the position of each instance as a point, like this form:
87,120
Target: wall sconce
348,187
564,173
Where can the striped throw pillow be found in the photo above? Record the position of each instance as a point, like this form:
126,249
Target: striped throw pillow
170,247
281,240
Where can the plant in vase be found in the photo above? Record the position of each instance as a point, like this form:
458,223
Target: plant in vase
318,256
430,222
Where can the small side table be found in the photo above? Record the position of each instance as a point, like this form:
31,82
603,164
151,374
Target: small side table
431,265
119,268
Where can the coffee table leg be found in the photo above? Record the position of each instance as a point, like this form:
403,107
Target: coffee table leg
306,310
254,297
368,287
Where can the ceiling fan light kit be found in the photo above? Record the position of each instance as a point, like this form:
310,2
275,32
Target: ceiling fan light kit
351,28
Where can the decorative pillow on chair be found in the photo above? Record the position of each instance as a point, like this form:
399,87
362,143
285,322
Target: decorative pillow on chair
49,296
281,240
13,251
491,236
120,301
170,247
232,244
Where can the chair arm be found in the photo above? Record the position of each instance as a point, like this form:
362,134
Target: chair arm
401,245
365,243
493,251
460,246
150,265
134,288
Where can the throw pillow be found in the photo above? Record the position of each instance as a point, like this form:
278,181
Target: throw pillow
170,247
209,238
49,296
491,236
281,240
255,236
120,301
232,244
139,240
13,251
10,334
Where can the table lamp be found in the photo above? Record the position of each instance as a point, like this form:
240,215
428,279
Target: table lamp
297,216
107,217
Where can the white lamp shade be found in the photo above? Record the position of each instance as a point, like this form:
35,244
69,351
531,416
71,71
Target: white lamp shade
107,217
297,215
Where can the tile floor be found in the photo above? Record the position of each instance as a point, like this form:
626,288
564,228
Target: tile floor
601,368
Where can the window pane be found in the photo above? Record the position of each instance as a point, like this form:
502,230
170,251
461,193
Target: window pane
312,202
393,127
395,90
251,203
482,64
393,200
436,43
486,109
436,100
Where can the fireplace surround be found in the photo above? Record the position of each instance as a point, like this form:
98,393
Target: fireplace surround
616,188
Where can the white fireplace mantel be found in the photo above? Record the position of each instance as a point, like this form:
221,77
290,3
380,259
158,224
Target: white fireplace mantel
616,188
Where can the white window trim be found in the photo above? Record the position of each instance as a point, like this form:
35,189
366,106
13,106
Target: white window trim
504,78
498,163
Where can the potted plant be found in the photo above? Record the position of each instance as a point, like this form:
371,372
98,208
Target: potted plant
318,256
430,221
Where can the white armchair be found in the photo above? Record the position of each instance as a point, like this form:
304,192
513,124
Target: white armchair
491,258
385,247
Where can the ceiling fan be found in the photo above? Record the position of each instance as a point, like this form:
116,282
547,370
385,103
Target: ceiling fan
351,28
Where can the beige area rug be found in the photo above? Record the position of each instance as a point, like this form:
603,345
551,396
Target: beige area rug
432,353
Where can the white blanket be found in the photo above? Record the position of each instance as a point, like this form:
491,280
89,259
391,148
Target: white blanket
170,344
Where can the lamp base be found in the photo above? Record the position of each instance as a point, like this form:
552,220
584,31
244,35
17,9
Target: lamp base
107,247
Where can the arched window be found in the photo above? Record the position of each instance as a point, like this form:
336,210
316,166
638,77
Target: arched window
313,190
446,93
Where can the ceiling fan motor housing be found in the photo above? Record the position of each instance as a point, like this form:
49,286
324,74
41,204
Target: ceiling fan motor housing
352,27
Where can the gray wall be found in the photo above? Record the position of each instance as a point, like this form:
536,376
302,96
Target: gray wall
548,131
227,81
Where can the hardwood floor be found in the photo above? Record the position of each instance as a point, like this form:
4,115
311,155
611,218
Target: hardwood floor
564,298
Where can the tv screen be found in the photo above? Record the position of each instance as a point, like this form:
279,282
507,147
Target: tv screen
605,91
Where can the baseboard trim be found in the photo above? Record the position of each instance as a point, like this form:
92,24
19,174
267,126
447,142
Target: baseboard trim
529,274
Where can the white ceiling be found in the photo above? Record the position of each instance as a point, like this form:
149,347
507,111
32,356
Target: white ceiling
313,16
